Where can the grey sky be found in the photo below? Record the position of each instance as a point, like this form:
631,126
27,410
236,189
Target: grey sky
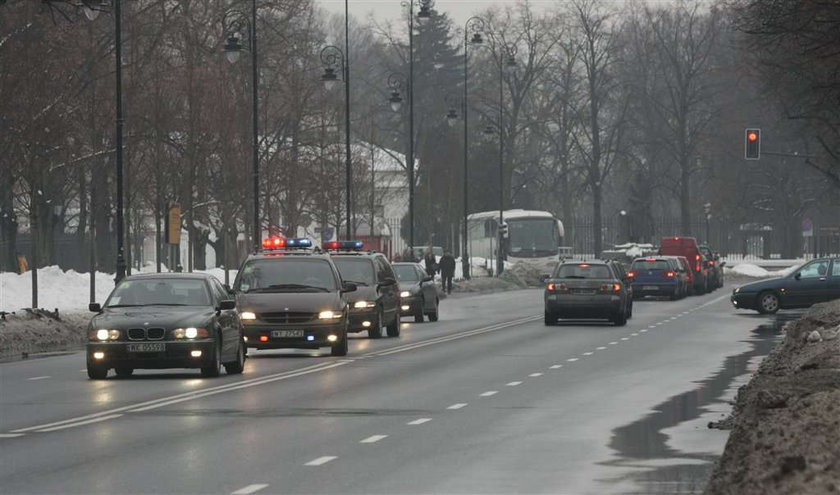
458,10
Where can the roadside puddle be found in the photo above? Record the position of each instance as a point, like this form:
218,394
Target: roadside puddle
672,450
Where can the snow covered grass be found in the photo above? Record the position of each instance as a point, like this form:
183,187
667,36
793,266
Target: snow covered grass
755,271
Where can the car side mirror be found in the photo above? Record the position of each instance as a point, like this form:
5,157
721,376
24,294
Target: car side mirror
797,276
226,305
95,307
387,281
428,278
348,287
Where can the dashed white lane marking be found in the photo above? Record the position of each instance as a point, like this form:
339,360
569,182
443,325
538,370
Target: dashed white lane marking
658,324
634,334
652,327
374,438
80,423
613,343
39,378
673,318
10,435
248,490
489,393
572,360
555,366
588,353
419,421
83,371
600,348
458,405
321,460
644,330
534,375
624,338
513,384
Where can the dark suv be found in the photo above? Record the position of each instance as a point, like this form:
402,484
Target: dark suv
376,302
715,266
290,297
588,289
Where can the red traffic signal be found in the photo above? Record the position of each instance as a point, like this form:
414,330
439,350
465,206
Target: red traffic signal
752,144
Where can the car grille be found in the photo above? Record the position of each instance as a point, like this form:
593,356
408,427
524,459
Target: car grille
287,317
146,333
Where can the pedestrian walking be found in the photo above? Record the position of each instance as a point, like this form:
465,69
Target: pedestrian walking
447,271
430,262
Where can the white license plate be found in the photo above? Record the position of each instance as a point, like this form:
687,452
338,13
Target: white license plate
286,334
650,287
147,347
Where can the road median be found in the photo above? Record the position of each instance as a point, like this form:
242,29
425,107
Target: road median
786,422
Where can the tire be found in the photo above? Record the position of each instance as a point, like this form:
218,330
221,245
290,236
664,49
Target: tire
238,366
768,303
433,316
214,368
674,295
550,319
124,371
630,310
340,347
418,313
394,327
375,329
96,372
620,319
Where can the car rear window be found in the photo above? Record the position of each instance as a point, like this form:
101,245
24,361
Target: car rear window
583,270
651,265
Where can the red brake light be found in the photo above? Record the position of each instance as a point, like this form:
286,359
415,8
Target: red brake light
711,263
697,257
669,274
610,287
551,287
263,338
650,259
631,274
584,265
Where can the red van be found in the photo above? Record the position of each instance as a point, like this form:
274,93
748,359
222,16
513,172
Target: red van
687,246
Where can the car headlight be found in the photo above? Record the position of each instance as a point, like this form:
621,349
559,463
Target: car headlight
105,334
405,293
190,333
364,304
247,315
329,315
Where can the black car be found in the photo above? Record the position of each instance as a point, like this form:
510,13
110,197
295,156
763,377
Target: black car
418,292
171,320
376,301
715,266
587,290
814,282
291,297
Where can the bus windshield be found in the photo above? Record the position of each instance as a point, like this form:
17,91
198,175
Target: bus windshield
533,237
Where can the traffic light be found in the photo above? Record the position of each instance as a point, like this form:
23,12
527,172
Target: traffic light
752,144
504,230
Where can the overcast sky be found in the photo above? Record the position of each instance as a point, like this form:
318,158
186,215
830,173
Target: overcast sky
458,10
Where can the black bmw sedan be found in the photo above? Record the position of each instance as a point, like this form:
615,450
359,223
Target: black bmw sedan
814,282
169,320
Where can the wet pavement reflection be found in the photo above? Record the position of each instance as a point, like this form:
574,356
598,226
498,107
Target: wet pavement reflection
650,463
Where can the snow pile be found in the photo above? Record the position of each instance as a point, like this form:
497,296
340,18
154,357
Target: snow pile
755,271
522,275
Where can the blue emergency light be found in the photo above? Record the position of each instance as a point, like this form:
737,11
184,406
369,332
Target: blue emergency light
283,243
343,246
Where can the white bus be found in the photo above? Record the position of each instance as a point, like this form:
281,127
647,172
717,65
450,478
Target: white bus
534,237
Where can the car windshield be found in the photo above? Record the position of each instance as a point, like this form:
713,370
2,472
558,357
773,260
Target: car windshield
533,237
584,271
406,273
358,270
159,292
284,274
651,265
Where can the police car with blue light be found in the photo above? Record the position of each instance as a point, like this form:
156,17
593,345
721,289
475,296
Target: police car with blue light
290,296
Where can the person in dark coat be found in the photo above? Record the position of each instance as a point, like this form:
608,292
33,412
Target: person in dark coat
430,262
447,271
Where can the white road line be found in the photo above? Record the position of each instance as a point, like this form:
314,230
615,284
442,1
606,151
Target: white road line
659,323
83,371
39,378
588,353
489,393
600,348
624,338
613,343
634,334
321,460
571,360
534,375
374,438
419,421
555,366
248,490
457,406
80,423
513,384
194,394
652,327
10,435
644,330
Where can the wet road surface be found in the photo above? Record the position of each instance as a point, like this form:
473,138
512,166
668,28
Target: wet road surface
487,400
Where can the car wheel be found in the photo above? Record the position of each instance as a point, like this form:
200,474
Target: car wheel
418,313
620,319
394,327
630,311
550,319
238,366
214,367
96,372
375,329
433,316
340,347
124,371
674,295
768,303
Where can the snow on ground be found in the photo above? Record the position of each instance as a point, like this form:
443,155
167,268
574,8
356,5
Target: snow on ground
755,271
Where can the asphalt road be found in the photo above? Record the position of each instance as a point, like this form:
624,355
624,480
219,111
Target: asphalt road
487,400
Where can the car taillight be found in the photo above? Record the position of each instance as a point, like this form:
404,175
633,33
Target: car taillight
631,274
670,274
551,287
610,287
697,268
711,263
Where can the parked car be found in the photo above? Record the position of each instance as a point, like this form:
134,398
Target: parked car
814,282
689,274
687,246
657,276
418,292
588,290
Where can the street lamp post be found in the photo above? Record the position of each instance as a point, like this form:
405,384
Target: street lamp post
332,57
235,21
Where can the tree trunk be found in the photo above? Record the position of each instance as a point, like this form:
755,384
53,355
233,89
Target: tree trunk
685,197
596,219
